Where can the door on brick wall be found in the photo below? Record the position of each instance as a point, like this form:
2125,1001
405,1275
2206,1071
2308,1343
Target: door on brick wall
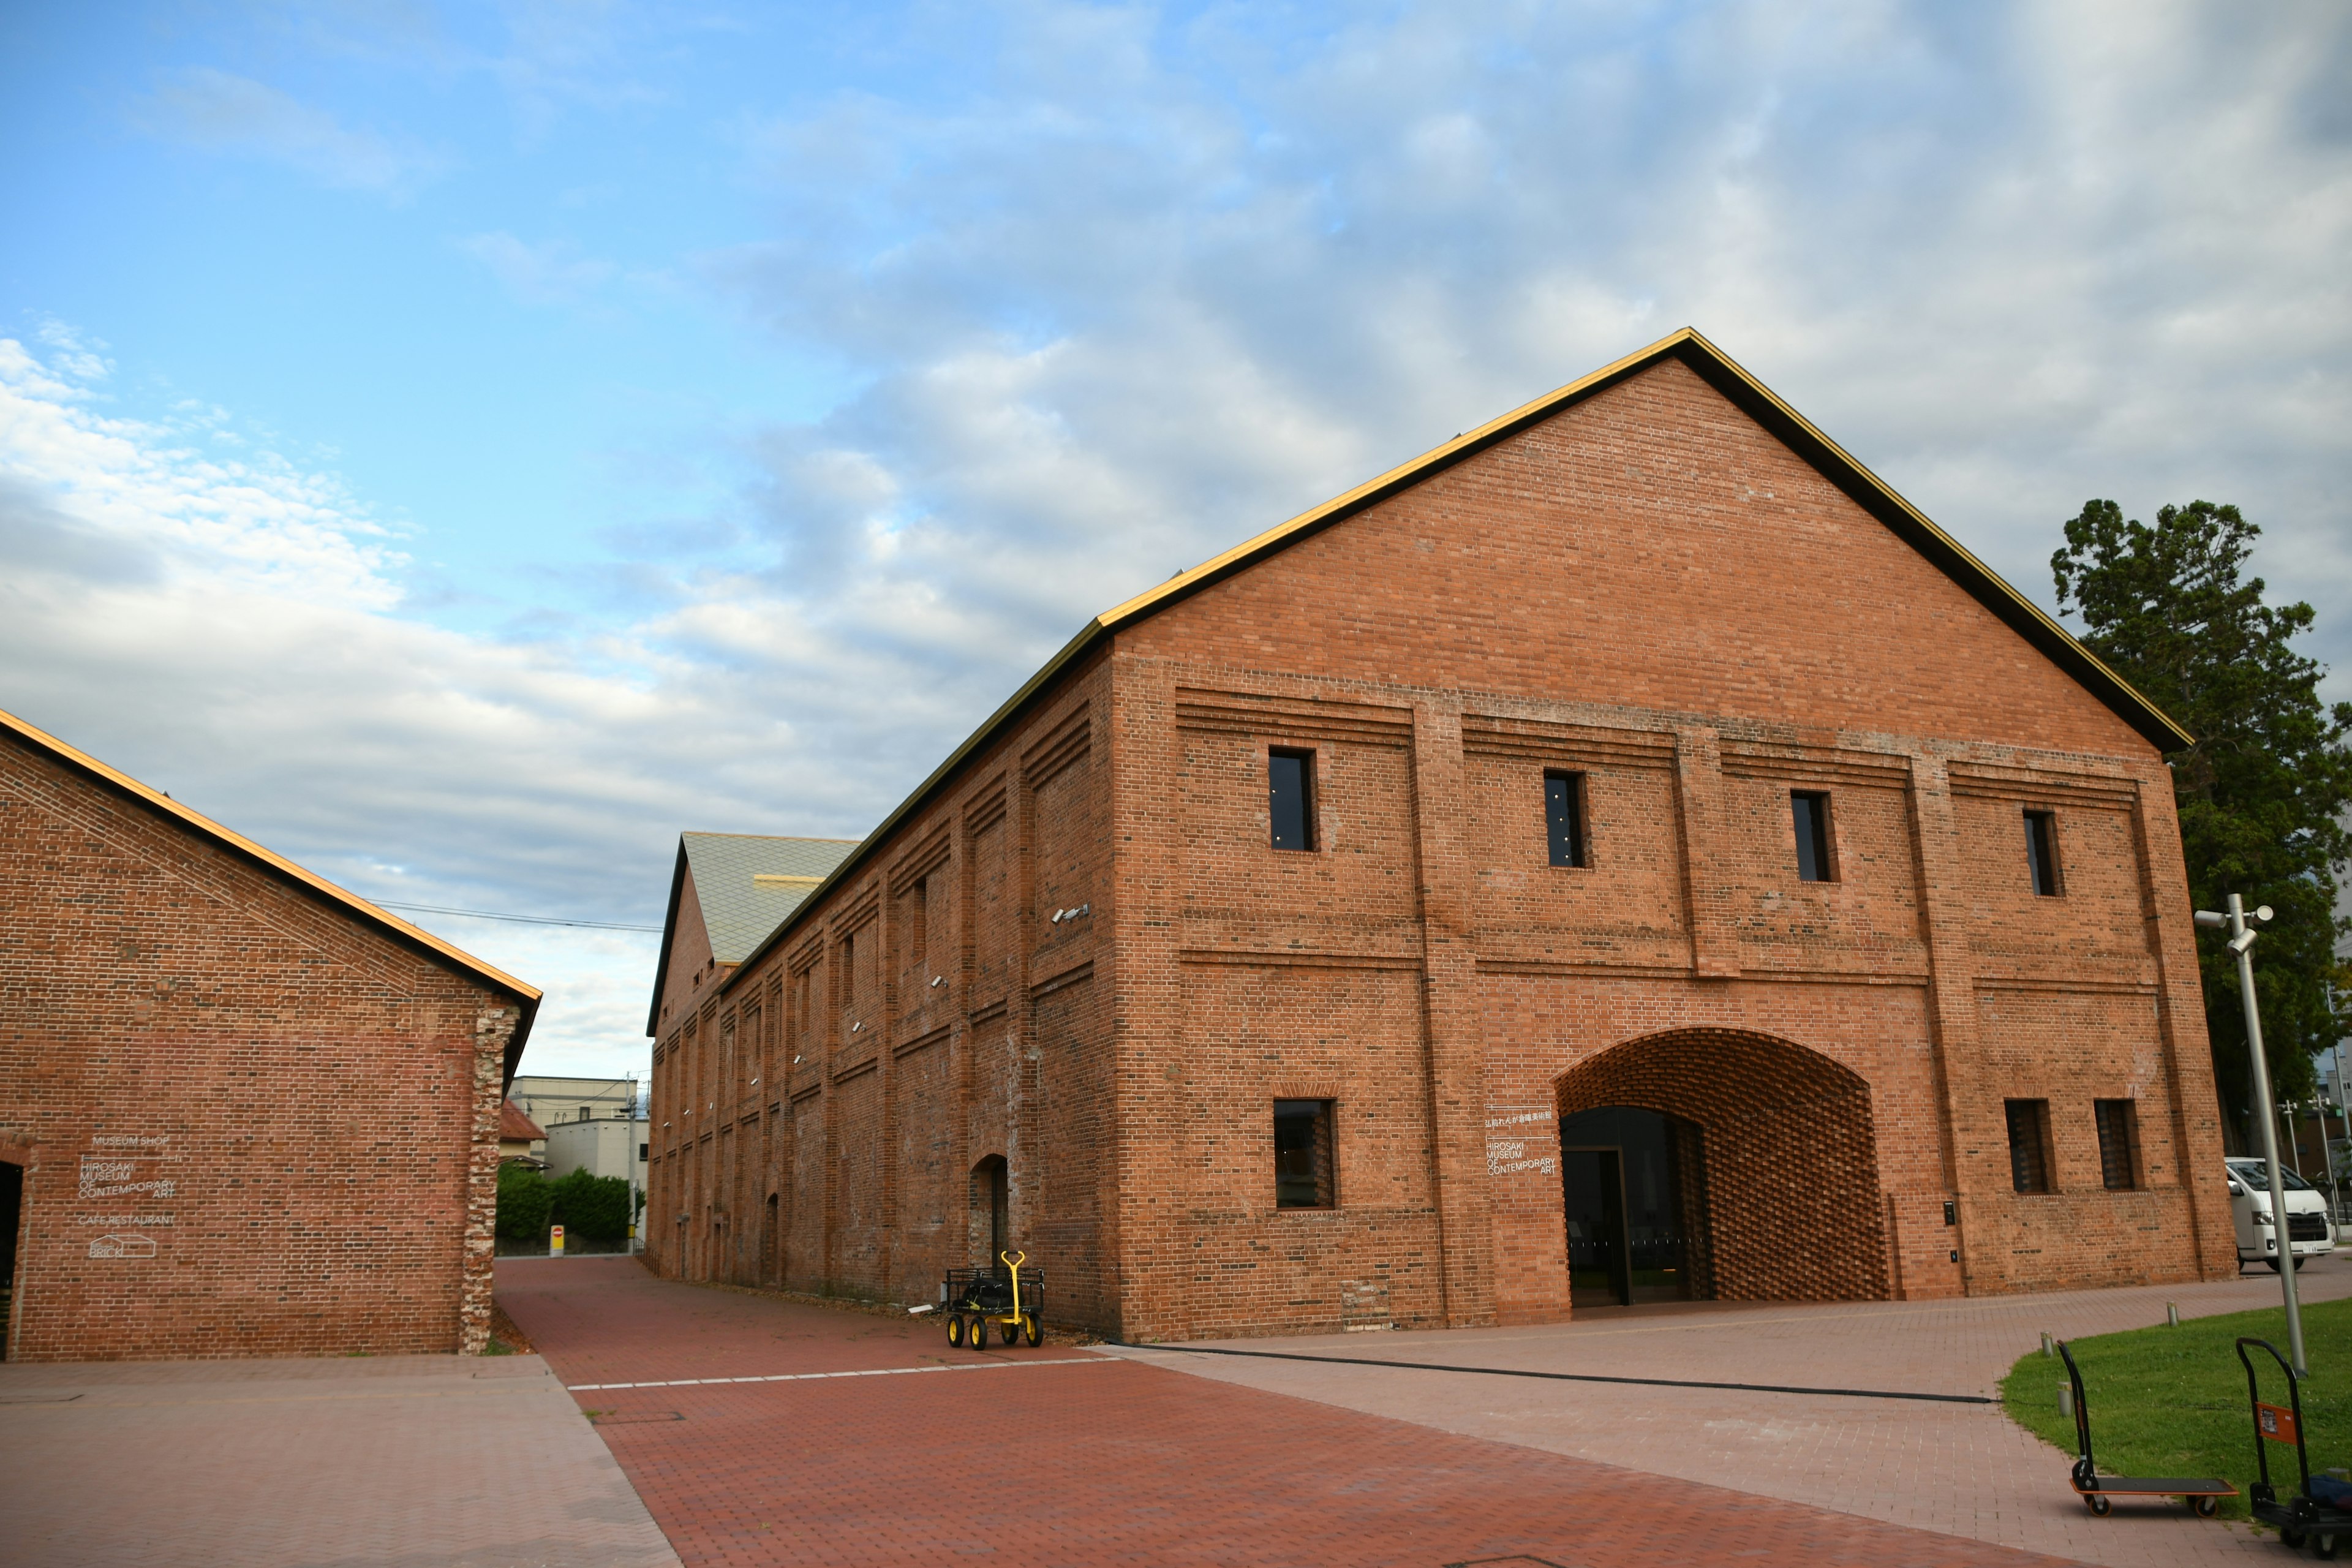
992,1210
12,1215
1628,1223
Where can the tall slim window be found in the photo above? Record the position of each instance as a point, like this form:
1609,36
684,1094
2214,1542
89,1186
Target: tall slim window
2117,1168
2028,1144
848,970
1814,859
1290,797
1302,1155
1564,816
2041,851
915,934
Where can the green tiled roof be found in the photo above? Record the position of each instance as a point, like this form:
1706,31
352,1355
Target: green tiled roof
747,883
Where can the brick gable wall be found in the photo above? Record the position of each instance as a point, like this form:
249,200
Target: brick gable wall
255,1127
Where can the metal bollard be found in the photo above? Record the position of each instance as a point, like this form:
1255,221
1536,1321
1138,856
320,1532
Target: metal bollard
2172,1314
2045,1345
2066,1399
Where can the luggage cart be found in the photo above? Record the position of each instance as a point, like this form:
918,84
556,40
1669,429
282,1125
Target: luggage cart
2311,1516
2202,1493
975,1298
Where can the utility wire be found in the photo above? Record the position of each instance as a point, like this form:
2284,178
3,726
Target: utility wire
519,919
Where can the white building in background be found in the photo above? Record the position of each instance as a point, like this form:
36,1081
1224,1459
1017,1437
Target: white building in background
550,1101
613,1146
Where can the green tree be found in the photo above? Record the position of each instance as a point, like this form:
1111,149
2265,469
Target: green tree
2262,793
524,1199
594,1207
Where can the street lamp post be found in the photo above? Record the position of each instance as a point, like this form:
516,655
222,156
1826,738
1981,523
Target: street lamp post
2241,943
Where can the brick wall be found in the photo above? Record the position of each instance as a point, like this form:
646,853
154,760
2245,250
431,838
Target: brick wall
258,1126
1646,589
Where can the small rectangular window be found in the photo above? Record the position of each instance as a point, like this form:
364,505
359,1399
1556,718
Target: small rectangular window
2029,1148
2117,1166
1564,816
1302,1155
1290,797
2041,851
1811,811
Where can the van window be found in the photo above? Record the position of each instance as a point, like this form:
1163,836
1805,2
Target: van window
2256,1174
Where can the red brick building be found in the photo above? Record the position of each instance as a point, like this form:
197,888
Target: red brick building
1626,852
242,1112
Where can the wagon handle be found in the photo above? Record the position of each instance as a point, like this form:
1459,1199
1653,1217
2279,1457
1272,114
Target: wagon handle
2295,1398
1015,1260
2085,1470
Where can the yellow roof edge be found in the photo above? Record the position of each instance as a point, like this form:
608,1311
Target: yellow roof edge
1928,524
1132,610
157,800
1119,615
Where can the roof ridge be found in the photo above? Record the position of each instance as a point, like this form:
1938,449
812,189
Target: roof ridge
159,800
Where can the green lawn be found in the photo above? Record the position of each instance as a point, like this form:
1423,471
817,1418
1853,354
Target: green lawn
2172,1401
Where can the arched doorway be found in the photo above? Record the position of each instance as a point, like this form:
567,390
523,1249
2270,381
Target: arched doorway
992,1210
1765,1164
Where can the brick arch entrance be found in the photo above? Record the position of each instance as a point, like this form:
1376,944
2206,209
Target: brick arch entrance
1788,1153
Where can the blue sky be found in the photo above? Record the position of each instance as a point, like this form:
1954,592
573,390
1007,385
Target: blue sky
464,446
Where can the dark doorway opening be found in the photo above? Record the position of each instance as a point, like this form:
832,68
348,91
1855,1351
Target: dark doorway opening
1632,1185
991,1202
12,1215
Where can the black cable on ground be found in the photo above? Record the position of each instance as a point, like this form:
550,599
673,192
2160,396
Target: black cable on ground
1567,1376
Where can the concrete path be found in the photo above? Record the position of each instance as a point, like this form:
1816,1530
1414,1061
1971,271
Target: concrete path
390,1462
764,1432
1961,1469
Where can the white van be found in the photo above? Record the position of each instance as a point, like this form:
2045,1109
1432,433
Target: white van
2309,1235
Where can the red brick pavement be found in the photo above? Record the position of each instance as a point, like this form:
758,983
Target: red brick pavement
1092,1460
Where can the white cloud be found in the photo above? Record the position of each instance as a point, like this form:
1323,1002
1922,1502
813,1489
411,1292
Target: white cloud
216,111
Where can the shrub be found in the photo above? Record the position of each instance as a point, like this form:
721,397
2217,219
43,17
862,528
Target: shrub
595,1207
525,1198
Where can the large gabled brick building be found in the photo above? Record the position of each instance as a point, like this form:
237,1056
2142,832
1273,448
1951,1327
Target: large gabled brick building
243,1112
1626,852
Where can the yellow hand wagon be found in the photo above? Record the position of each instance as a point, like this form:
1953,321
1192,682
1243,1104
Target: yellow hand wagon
975,1298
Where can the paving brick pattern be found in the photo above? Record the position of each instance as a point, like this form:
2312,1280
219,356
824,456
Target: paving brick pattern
1964,1470
1077,1461
390,1462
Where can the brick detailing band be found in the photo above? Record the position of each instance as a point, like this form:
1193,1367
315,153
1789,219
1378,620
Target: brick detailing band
1788,1183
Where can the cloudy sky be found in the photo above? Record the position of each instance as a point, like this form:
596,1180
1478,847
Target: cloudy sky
462,446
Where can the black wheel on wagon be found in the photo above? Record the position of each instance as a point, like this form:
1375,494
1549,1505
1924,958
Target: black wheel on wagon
2097,1504
2206,1507
955,1330
1032,1330
2290,1537
979,1334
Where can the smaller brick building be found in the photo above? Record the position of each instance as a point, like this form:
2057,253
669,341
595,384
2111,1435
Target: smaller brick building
242,1112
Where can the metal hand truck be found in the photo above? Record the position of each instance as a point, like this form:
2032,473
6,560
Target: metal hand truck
2203,1493
975,1298
2307,1515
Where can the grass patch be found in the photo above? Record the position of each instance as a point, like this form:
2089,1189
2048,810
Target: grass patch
2172,1401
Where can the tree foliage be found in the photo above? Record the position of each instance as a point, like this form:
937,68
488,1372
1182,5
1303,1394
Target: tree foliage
592,1207
2262,792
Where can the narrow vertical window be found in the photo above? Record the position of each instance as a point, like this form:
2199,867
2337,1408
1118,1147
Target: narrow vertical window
2117,1165
2029,1148
2041,851
1302,1155
1812,810
1564,816
848,970
917,936
1290,797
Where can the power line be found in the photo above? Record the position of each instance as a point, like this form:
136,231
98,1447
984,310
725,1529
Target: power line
519,919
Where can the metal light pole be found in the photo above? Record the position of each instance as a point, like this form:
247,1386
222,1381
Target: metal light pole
2241,943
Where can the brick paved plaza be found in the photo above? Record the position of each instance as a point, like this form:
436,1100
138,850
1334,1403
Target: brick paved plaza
1065,1456
753,1430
